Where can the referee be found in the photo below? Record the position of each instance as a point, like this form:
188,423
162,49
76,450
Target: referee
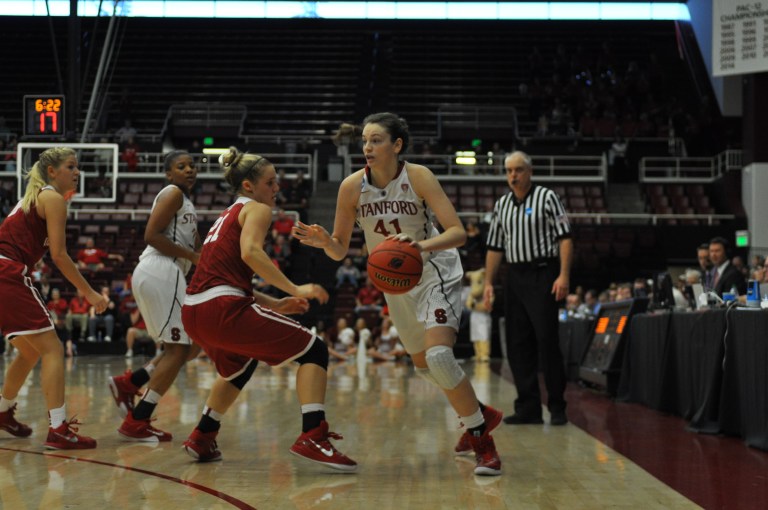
530,230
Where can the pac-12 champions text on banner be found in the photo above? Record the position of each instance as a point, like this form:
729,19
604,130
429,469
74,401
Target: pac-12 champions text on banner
739,36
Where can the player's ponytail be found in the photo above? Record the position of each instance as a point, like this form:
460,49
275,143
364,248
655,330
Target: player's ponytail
239,166
37,177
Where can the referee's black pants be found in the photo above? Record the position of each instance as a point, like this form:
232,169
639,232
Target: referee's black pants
532,336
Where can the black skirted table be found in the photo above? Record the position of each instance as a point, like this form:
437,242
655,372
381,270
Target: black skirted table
709,367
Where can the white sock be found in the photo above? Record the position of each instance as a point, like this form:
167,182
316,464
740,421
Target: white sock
149,367
5,404
57,416
212,414
474,420
151,396
309,408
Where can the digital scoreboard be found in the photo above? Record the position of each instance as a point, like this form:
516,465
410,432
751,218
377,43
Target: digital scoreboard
603,358
44,116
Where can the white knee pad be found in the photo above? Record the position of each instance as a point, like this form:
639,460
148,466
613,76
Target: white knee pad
443,368
425,374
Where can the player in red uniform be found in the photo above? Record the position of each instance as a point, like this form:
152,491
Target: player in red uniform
38,224
238,327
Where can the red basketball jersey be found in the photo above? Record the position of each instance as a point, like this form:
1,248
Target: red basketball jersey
24,237
220,261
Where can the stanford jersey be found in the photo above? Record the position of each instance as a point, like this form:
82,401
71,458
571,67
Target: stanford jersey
391,210
24,237
182,230
220,261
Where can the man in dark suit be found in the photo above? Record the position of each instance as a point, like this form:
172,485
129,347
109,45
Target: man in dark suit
724,275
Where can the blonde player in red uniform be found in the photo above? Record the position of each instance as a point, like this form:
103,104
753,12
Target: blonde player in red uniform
390,198
236,326
38,224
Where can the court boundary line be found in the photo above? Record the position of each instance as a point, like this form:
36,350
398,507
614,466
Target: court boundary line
242,505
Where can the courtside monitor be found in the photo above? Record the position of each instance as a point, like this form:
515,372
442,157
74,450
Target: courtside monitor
663,298
603,358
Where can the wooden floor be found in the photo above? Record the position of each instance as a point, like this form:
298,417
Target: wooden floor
399,429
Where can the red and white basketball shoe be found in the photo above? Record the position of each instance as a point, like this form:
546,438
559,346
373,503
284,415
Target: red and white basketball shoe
65,437
142,430
123,391
315,446
202,446
488,461
492,418
9,424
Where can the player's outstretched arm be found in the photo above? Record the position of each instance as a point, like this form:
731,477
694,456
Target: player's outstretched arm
335,245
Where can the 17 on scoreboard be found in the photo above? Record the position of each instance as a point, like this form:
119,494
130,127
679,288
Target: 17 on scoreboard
44,115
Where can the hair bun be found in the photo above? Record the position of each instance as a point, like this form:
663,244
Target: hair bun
222,159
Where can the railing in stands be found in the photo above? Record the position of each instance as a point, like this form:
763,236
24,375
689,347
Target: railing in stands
636,219
668,170
142,214
545,168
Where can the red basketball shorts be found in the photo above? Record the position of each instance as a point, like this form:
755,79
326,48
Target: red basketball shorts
233,330
22,311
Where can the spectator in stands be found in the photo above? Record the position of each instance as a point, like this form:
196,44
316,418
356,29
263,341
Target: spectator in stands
58,306
475,242
479,316
91,258
136,333
705,265
105,318
130,155
591,305
10,156
348,273
368,297
344,137
762,273
283,224
127,133
279,251
44,287
387,346
344,345
572,304
624,291
725,276
78,311
617,155
739,264
640,288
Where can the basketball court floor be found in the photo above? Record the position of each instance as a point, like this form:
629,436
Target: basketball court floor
399,429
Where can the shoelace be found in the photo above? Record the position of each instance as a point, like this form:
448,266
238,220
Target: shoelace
72,421
334,435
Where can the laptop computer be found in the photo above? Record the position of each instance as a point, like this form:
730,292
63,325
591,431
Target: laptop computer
699,297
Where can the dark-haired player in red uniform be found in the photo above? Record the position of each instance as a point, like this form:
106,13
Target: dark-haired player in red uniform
38,224
237,327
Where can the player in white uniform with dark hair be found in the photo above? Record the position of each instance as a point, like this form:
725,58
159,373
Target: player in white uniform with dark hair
393,198
159,287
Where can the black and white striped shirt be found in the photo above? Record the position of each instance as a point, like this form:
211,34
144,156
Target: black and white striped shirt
530,230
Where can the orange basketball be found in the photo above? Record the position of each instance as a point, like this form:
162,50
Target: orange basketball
394,267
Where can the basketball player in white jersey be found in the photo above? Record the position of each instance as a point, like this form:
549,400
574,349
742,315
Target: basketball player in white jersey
393,198
159,287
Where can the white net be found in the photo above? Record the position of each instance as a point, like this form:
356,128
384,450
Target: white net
98,163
